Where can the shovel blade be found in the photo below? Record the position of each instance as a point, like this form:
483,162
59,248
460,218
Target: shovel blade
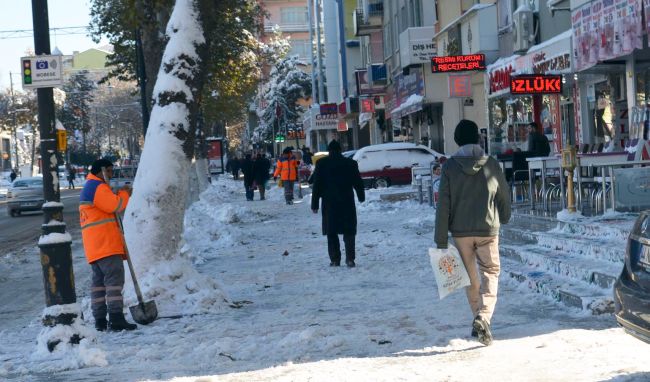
144,313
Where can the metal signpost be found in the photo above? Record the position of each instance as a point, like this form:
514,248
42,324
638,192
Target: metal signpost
42,73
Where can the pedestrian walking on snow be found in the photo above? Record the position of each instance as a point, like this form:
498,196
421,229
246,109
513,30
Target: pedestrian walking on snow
287,170
71,176
104,245
13,176
261,167
473,202
335,180
247,170
235,165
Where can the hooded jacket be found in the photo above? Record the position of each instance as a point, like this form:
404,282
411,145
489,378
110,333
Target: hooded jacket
473,197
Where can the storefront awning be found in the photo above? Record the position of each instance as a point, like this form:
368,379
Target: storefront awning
412,104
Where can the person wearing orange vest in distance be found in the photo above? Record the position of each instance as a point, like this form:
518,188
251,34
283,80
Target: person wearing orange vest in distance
287,170
104,246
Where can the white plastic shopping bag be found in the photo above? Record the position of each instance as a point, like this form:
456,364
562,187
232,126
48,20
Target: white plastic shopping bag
448,269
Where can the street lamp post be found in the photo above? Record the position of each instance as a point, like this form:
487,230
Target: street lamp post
55,242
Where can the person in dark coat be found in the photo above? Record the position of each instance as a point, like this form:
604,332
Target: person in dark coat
235,165
247,170
537,142
13,176
261,167
335,180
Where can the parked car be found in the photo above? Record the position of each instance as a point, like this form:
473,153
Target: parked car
390,164
25,194
632,288
122,175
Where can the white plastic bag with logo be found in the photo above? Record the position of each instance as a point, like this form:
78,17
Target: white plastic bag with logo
448,269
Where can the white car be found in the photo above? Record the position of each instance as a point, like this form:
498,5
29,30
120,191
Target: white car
390,163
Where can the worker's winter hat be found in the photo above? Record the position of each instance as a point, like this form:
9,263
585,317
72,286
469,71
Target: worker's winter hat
97,165
466,133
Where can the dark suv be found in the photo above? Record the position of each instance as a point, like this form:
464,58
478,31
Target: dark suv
632,289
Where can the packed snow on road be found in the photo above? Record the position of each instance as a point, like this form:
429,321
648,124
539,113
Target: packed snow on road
266,306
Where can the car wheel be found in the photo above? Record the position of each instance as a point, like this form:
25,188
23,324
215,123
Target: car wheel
382,183
12,213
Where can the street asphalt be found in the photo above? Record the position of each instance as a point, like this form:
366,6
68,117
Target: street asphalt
16,232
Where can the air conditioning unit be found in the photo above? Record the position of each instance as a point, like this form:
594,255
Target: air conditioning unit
523,34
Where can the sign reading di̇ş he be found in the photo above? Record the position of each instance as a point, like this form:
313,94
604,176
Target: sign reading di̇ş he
41,72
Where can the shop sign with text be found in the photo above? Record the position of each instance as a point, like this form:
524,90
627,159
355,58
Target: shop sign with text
469,62
536,84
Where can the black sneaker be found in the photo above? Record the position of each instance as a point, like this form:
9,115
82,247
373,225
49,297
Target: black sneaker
118,322
474,333
350,263
483,331
101,324
333,264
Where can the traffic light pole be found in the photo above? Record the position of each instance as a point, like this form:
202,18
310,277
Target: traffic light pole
55,242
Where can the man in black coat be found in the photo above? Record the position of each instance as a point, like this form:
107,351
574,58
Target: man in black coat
261,167
335,178
247,170
537,142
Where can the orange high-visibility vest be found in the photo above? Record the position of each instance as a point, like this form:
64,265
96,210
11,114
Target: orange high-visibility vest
287,168
99,229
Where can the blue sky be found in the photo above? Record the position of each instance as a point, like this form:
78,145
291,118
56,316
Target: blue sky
17,14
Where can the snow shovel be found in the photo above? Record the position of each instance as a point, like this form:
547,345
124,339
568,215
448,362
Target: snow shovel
145,312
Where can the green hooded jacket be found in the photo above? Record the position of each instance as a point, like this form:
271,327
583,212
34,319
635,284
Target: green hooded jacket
473,197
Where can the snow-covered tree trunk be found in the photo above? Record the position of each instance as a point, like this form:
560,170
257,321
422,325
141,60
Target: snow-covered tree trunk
154,217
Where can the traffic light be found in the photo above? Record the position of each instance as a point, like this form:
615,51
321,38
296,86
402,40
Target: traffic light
27,72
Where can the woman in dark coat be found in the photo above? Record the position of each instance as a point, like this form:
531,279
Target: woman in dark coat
261,167
335,180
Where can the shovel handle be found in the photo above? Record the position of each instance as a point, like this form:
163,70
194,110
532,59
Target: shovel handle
126,248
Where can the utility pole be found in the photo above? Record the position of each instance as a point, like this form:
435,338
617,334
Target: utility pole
319,54
55,242
13,105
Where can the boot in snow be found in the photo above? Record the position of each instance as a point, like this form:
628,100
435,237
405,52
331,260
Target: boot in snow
118,322
101,324
482,328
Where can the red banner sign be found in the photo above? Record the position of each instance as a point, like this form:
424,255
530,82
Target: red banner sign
467,62
536,84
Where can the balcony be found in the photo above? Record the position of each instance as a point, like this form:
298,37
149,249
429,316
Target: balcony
287,27
368,17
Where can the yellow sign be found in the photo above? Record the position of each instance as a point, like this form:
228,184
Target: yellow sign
61,140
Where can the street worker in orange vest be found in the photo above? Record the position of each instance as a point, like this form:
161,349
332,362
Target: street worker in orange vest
104,245
287,170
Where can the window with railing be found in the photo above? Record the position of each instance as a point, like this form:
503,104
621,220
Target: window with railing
294,15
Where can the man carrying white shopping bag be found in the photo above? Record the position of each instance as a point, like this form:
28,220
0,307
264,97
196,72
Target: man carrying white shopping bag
473,202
